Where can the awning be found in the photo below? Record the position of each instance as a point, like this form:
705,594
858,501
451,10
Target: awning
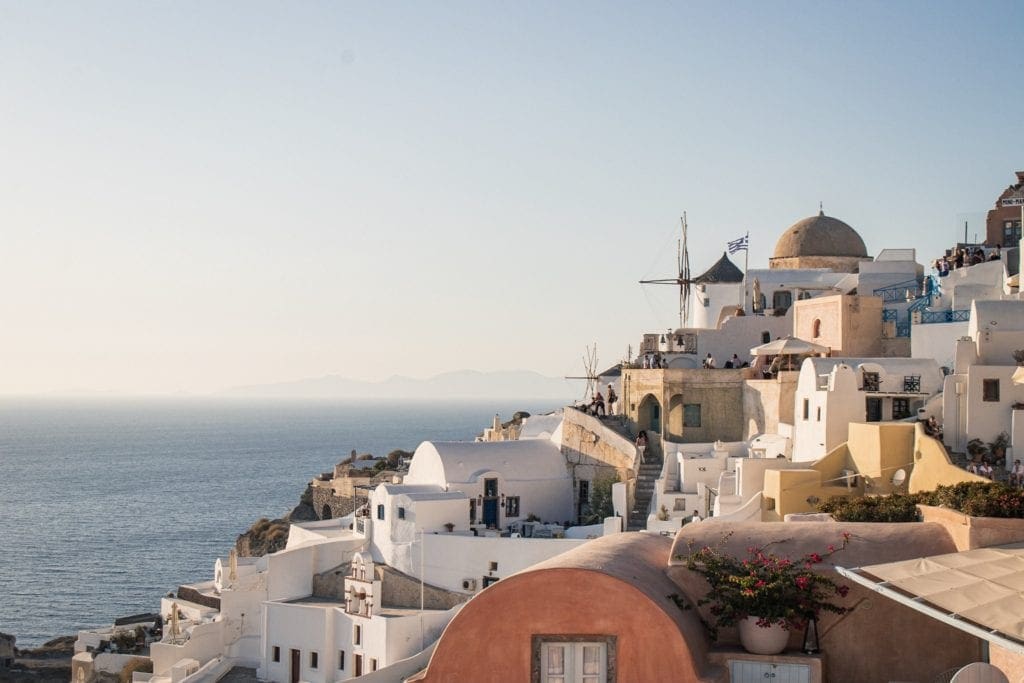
979,591
788,346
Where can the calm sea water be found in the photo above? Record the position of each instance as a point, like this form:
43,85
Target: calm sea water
106,505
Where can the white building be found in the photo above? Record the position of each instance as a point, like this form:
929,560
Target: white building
936,327
980,398
833,392
502,482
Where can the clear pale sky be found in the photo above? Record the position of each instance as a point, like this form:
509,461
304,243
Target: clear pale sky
199,195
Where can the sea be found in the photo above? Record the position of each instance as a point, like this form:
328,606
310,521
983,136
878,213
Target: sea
106,505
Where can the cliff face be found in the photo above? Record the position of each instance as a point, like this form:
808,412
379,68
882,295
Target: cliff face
263,537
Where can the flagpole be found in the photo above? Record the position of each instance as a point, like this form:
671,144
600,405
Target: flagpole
746,262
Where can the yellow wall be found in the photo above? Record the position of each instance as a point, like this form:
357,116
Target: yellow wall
875,451
932,466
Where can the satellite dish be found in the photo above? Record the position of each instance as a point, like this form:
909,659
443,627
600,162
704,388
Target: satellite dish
899,477
979,672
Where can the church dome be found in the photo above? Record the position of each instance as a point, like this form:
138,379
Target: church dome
820,235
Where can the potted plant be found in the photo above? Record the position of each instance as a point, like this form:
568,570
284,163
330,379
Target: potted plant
765,595
997,447
977,449
449,526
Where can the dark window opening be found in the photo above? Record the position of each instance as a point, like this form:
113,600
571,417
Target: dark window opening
512,506
990,390
691,415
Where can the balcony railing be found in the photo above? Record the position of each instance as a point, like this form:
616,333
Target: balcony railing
929,317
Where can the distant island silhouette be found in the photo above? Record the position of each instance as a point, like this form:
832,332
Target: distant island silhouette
455,384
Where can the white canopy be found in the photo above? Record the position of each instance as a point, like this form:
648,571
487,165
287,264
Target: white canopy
982,587
788,346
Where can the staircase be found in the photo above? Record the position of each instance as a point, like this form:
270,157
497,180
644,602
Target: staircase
646,476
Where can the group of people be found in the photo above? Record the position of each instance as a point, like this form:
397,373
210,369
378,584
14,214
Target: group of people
1014,475
959,258
597,404
653,361
734,362
983,469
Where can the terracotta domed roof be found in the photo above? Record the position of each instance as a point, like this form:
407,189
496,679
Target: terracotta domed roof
820,235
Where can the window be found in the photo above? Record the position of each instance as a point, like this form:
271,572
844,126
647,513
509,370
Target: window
1011,232
491,487
819,413
807,409
816,329
584,491
341,660
512,506
782,299
314,660
380,512
912,384
472,510
900,408
765,336
493,566
373,664
573,659
990,390
277,654
357,635
871,381
401,513
691,415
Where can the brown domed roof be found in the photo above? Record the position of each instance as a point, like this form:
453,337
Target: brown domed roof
820,235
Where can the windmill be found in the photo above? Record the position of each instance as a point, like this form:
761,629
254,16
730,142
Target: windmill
683,280
590,368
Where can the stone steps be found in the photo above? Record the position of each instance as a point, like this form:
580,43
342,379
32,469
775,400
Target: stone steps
647,475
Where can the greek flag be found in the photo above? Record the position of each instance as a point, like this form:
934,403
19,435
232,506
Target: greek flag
740,244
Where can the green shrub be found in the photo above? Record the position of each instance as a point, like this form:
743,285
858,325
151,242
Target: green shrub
978,499
974,498
894,508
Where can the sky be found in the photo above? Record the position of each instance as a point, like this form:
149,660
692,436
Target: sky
199,195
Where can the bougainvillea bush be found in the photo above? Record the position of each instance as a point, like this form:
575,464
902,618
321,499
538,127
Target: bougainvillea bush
779,590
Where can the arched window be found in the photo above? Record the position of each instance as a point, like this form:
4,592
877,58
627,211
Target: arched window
816,329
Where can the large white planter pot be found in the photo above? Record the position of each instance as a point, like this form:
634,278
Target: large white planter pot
762,641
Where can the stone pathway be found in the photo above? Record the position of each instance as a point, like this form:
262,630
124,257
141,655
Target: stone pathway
240,674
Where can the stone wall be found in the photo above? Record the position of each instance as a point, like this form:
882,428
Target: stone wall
340,497
768,402
325,498
399,590
403,591
593,450
192,595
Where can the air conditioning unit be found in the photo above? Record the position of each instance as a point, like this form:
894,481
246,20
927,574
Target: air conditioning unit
469,584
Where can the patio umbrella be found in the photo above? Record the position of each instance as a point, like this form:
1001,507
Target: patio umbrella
788,346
